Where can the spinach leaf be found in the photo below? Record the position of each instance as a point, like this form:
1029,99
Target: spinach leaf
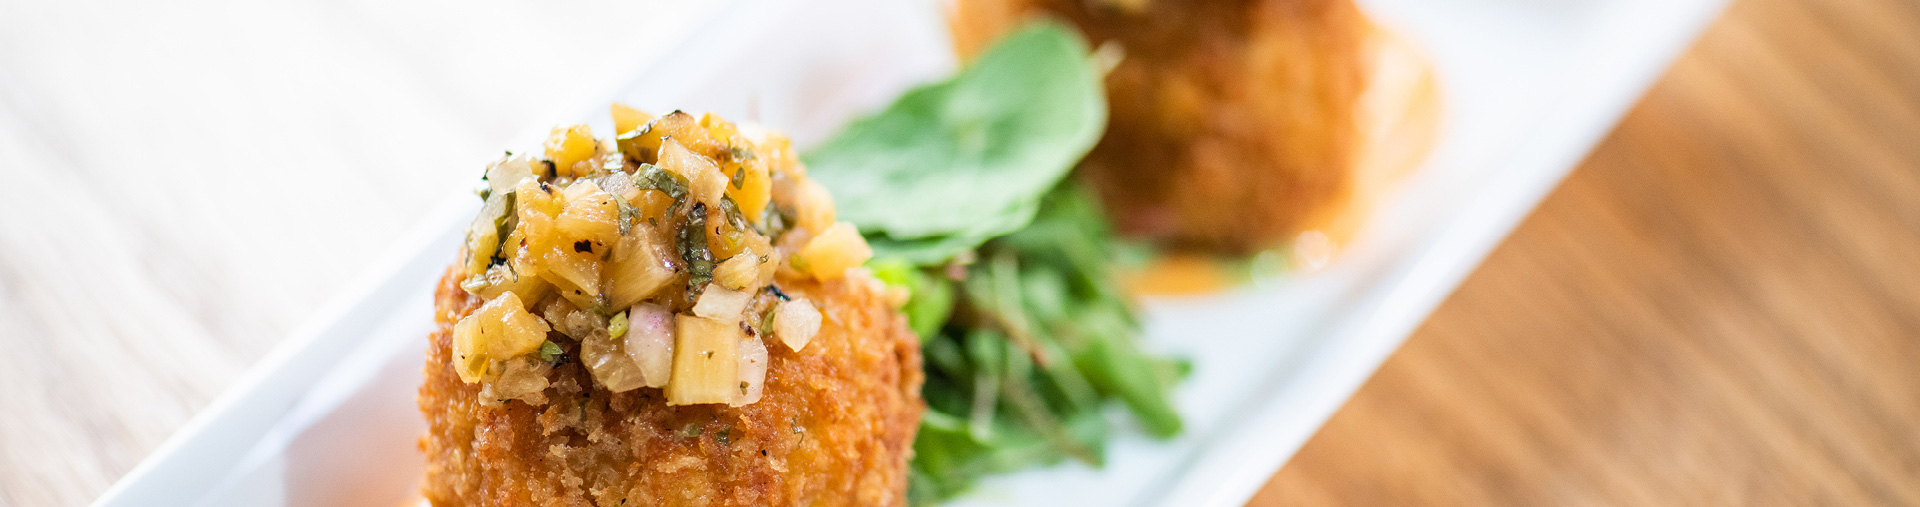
955,163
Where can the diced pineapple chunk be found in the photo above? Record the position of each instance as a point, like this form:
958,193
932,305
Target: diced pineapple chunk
607,358
706,362
481,245
814,206
749,181
704,181
642,263
740,272
766,271
503,278
829,255
569,148
753,191
500,329
684,128
568,320
720,303
718,127
589,214
653,206
723,239
626,118
505,174
535,206
560,236
469,356
777,150
483,235
575,275
643,144
515,331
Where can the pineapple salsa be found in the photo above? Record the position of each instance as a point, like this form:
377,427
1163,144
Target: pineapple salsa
655,253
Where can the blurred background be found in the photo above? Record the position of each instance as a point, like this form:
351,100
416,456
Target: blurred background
186,182
1719,307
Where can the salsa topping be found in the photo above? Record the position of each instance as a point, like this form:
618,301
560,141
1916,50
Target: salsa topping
653,254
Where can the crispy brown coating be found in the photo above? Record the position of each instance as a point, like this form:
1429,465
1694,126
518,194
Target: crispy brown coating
835,427
1234,123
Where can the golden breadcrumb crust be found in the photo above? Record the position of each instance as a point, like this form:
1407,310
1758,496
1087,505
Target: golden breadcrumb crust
835,427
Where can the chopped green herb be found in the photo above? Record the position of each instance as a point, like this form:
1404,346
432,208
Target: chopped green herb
630,143
628,215
550,350
693,250
735,217
652,177
617,326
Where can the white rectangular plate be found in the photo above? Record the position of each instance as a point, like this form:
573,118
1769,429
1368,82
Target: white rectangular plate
1528,86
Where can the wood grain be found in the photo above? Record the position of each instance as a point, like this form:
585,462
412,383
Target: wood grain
181,183
1721,307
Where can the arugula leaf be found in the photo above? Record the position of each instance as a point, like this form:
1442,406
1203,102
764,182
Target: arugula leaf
931,296
1043,338
1026,351
952,164
923,252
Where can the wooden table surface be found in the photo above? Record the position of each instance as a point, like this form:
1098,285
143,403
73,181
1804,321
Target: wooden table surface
182,184
1720,307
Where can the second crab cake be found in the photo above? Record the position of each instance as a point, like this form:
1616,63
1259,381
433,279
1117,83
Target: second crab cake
1239,125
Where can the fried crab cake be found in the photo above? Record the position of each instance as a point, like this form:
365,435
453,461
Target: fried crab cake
1239,125
675,321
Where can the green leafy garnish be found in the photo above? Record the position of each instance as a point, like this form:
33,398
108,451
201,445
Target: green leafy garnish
1027,336
1046,339
932,295
955,163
